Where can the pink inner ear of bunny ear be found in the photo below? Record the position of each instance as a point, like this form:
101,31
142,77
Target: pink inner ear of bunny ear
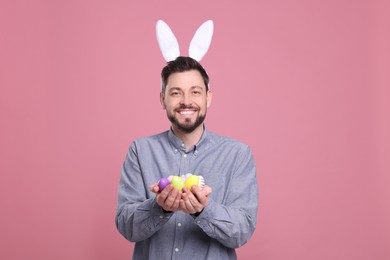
201,41
167,41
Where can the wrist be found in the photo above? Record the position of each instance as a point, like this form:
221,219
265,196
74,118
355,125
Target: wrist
196,214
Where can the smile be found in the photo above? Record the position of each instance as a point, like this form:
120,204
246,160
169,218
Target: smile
186,112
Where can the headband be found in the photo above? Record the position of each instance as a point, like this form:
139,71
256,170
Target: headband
169,45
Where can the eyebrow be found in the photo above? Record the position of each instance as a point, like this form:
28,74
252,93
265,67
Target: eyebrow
174,88
180,89
196,86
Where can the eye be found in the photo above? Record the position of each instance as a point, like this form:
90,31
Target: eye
196,92
175,93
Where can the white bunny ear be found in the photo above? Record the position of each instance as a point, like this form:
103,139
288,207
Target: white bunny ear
201,41
167,41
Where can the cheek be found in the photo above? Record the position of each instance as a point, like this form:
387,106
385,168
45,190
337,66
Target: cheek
170,105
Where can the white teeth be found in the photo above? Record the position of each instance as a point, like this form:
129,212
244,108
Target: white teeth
186,112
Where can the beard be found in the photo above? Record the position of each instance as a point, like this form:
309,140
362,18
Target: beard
186,127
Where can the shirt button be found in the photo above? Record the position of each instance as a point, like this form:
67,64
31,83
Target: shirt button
179,224
184,155
198,221
175,150
176,249
161,216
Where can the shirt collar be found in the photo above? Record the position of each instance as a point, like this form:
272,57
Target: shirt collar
178,145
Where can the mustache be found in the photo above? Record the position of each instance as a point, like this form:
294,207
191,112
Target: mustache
183,106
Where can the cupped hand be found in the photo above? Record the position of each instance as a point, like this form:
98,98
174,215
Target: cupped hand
168,198
195,201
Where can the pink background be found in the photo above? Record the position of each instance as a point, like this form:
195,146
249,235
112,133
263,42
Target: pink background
305,83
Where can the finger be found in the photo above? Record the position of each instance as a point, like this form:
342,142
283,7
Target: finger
154,188
202,199
207,190
199,194
163,195
176,202
186,203
182,205
190,206
170,200
168,189
186,190
186,194
190,201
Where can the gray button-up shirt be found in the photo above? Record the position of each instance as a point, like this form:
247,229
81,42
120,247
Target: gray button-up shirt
226,223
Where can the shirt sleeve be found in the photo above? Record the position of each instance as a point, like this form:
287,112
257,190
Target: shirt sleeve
233,222
138,217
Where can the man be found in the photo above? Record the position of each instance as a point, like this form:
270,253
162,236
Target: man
206,223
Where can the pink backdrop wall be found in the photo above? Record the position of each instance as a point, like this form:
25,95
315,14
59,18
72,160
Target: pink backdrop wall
305,83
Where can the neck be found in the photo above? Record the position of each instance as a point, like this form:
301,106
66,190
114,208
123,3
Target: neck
189,139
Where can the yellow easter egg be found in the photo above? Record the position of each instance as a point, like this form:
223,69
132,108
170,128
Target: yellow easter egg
192,180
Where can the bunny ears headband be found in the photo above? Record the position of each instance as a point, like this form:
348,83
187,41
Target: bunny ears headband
199,45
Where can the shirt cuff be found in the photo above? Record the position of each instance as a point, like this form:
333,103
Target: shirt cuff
160,212
207,214
195,215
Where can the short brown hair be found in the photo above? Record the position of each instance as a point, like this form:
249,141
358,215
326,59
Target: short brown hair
182,64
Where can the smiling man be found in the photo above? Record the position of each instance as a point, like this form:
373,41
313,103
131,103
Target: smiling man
197,223
185,96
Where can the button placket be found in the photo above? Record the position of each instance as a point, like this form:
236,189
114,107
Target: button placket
178,243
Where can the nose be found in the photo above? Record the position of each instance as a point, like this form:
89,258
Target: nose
186,99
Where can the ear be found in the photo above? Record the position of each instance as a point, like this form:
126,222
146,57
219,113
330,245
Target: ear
162,100
209,98
201,41
167,41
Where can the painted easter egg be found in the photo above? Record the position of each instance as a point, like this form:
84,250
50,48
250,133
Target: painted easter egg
177,182
191,180
163,183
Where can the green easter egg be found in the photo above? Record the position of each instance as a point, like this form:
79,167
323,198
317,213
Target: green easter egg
177,182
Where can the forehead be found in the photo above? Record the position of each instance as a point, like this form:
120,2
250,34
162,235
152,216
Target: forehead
186,79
